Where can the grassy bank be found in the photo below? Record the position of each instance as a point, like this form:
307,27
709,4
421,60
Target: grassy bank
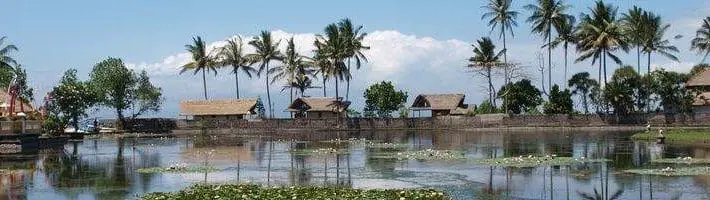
257,192
679,135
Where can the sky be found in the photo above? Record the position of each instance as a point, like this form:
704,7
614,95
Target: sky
421,46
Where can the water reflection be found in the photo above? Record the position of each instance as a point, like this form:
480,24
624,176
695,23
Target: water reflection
106,168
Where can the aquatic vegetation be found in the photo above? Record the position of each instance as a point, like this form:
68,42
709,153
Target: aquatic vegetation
431,154
679,135
535,161
669,171
386,145
682,160
320,151
257,192
178,168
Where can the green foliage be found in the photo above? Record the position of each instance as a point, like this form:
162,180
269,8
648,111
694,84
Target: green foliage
403,111
670,88
69,101
560,102
352,113
120,88
582,85
257,192
520,96
381,99
668,171
174,169
682,160
677,135
486,108
484,60
25,92
701,42
427,154
259,107
621,91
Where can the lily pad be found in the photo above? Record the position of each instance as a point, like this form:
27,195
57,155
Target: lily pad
668,171
386,145
428,154
535,161
174,169
320,151
682,160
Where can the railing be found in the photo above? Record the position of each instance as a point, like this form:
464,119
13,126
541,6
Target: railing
15,127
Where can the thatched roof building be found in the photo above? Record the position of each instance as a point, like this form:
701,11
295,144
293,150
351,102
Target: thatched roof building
701,83
218,109
319,107
441,104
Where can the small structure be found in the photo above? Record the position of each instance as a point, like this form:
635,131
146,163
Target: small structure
20,106
701,83
232,109
441,104
319,107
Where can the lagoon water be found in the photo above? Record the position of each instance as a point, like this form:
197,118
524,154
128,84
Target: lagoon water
106,168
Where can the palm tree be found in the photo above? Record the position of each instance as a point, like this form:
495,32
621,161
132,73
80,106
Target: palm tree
293,66
600,35
484,60
353,47
634,24
582,85
266,51
322,64
701,42
566,34
202,60
545,15
655,41
302,83
233,55
6,61
501,16
333,48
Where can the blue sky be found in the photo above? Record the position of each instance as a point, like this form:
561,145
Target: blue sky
419,45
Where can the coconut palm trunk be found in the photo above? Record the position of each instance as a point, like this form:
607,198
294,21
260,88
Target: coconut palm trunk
324,93
204,83
347,89
268,93
604,54
491,100
565,47
505,57
236,82
549,59
638,59
336,89
649,63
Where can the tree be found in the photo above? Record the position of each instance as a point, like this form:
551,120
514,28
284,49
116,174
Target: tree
701,42
6,61
381,99
483,61
353,47
302,83
566,34
560,102
332,48
202,60
293,70
69,101
119,88
502,16
520,96
635,28
266,51
233,55
486,107
656,42
25,92
545,15
621,91
582,85
259,107
670,88
600,35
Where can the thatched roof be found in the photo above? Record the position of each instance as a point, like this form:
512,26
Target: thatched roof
318,104
703,99
4,100
701,79
439,102
218,107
